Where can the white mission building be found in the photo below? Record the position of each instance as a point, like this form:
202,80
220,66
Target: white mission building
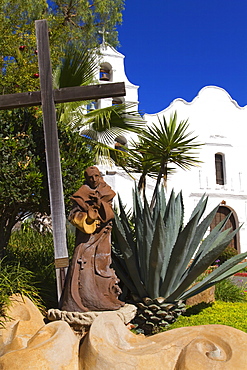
220,124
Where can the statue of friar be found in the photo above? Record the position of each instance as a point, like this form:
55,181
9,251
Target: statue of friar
91,284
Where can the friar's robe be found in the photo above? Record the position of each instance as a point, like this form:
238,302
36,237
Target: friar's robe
91,284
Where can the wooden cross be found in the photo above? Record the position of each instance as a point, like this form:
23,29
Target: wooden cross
47,97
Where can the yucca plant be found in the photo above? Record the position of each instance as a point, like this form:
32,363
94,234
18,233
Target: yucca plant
159,259
161,149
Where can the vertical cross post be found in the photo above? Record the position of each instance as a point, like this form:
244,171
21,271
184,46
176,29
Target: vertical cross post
52,155
47,98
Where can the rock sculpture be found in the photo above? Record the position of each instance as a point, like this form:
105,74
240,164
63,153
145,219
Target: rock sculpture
91,284
204,347
27,343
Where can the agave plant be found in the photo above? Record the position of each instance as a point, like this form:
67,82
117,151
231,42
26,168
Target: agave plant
158,258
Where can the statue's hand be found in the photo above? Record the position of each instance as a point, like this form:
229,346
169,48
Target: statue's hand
93,214
95,199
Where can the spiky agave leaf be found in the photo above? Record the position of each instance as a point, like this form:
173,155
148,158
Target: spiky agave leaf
123,246
126,226
121,269
210,242
173,220
160,206
168,248
181,249
156,258
138,216
221,243
146,232
200,207
227,269
193,246
178,251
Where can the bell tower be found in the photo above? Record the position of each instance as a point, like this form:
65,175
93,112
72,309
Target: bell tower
111,69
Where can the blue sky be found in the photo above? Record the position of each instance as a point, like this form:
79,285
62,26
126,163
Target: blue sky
173,48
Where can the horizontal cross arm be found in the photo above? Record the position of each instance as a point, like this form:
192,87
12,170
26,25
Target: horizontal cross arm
27,99
66,94
90,92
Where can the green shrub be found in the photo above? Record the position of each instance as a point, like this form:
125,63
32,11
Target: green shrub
221,313
35,252
32,249
227,291
244,270
16,279
228,253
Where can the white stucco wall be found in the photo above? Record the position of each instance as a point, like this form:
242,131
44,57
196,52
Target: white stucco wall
220,124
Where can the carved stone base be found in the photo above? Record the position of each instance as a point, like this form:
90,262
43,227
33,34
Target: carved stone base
80,322
27,343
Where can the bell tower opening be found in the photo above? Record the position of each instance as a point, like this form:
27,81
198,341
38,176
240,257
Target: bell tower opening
105,73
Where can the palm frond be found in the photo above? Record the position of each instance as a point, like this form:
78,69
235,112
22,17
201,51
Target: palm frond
100,126
77,68
160,147
108,122
170,143
119,116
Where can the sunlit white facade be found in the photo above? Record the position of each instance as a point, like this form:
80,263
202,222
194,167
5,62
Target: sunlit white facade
221,125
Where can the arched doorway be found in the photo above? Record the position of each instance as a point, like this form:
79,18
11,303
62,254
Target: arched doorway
232,223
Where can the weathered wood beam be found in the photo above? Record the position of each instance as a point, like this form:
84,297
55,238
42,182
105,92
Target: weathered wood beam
66,94
54,172
27,99
91,92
